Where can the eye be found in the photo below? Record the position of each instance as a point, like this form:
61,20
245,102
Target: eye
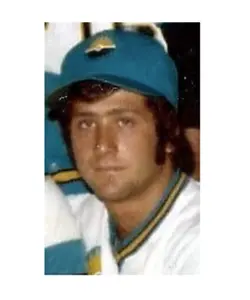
86,124
124,122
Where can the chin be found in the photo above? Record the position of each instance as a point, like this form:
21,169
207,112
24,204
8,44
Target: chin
109,192
112,187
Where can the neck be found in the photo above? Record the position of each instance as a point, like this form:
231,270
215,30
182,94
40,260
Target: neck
129,214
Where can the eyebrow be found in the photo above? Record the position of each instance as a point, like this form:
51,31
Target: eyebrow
112,112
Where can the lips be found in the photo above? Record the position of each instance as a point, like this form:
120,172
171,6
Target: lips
109,168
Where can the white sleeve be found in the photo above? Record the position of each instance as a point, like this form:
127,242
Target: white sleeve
184,259
188,262
76,203
60,223
191,266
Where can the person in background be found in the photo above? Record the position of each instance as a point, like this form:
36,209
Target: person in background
64,250
58,164
183,41
190,120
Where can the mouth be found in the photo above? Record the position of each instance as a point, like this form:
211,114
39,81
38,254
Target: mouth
109,169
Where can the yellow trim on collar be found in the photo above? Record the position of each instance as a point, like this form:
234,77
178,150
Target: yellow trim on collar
134,245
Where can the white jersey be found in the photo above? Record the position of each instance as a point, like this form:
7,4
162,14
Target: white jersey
167,243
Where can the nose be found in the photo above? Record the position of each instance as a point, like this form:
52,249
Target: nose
105,140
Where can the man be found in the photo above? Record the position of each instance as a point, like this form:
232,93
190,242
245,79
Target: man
117,108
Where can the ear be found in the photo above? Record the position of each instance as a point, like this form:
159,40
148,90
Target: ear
169,148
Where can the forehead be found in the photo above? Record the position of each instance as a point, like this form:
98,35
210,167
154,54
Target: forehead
121,99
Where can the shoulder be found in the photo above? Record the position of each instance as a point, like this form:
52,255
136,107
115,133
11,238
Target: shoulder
187,200
192,187
84,202
186,209
86,211
91,216
78,205
182,256
60,224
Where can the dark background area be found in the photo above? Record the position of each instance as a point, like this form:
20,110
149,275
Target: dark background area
183,40
184,47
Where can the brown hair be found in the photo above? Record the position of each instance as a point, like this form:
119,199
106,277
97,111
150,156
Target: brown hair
167,126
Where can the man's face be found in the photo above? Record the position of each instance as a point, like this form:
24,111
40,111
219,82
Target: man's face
114,144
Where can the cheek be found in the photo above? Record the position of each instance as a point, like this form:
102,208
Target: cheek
80,146
137,147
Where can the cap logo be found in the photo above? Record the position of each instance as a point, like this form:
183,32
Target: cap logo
100,44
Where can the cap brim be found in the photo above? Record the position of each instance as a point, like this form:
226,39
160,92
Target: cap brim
127,84
52,99
121,82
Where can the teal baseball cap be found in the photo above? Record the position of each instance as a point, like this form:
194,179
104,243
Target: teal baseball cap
51,82
127,59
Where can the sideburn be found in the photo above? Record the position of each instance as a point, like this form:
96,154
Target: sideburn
160,114
169,131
